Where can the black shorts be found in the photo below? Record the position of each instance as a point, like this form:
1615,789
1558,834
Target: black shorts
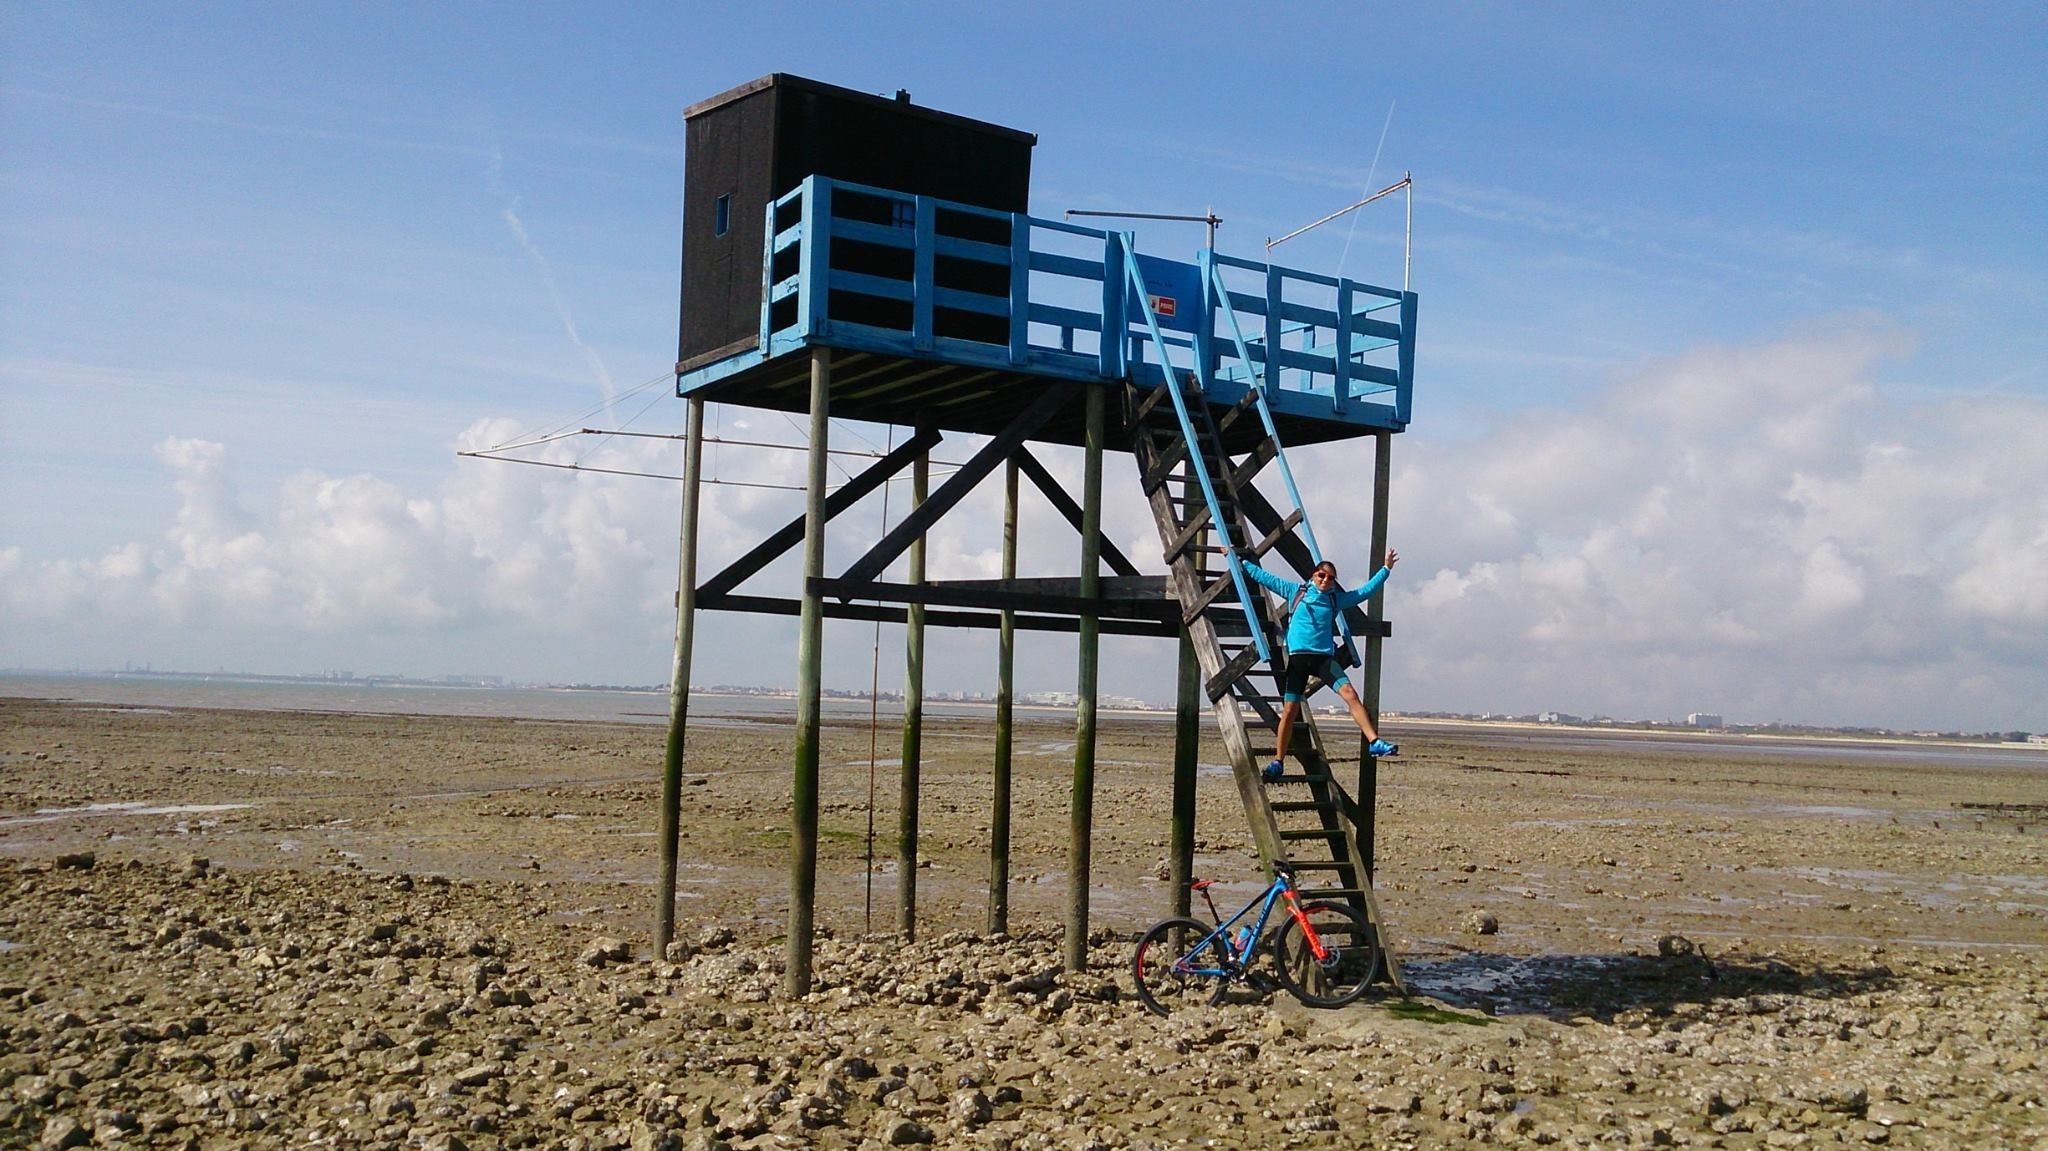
1305,665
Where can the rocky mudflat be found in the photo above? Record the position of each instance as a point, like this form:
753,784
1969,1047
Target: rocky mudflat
230,929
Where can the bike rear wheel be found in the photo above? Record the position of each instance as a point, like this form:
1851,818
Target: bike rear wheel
1350,959
1160,966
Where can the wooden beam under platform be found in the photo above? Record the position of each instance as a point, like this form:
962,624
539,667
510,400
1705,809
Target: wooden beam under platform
1142,597
777,605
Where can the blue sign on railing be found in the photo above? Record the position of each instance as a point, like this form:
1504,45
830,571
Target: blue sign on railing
1175,290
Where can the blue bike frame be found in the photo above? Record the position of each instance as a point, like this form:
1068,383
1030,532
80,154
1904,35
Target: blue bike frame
1251,936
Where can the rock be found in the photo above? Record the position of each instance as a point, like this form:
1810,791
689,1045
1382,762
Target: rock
1675,946
972,1108
605,949
1482,923
62,1132
644,1136
1394,1101
196,866
896,1131
76,861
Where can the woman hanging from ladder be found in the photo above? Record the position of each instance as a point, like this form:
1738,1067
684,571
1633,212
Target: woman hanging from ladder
1312,648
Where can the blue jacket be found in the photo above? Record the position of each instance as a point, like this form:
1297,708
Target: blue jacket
1313,627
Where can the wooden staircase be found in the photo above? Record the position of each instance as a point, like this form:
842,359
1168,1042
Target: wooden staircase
1205,507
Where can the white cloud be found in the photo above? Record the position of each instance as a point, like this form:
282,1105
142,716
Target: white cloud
1759,531
1766,532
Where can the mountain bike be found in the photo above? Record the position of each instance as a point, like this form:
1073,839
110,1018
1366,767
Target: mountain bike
1325,954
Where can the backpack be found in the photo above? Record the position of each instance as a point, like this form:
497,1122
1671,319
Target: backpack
1347,649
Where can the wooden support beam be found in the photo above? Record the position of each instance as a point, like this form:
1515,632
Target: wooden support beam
1006,667
803,863
1260,455
1188,706
785,537
988,620
1197,525
679,678
949,595
962,481
1065,505
913,724
1114,588
1368,767
1081,825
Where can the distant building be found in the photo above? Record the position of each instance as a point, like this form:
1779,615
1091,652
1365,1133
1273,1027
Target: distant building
1559,717
1052,699
1704,719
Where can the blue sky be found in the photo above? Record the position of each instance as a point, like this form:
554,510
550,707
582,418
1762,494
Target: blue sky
1731,381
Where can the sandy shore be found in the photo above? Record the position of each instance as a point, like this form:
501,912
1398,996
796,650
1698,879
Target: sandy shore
407,930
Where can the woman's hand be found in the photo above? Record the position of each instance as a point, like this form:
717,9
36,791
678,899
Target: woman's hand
1393,557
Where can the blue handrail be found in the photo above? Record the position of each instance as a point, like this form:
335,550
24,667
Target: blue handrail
1187,431
1259,385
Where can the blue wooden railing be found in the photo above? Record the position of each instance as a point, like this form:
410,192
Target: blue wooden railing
862,268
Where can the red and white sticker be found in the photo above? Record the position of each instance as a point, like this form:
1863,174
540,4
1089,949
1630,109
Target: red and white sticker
1164,305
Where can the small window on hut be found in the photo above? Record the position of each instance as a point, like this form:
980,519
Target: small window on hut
721,215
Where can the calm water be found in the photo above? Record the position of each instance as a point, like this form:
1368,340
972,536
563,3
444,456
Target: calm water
517,703
652,707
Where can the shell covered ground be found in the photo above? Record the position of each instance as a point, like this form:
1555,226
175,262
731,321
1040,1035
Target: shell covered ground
228,929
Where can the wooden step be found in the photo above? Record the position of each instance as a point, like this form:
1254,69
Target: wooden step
1163,465
1260,456
1315,833
1273,537
1219,684
1191,613
1343,894
1244,404
1152,401
1195,525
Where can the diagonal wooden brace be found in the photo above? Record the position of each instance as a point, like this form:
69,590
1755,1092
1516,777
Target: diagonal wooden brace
957,485
792,533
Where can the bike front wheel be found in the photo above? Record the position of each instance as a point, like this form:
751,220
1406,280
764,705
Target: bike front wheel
1351,955
1177,964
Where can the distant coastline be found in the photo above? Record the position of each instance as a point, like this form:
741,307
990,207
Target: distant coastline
1031,701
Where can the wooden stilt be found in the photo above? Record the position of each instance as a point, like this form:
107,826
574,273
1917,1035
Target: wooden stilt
1006,667
803,865
1082,821
679,678
1187,747
1375,610
913,721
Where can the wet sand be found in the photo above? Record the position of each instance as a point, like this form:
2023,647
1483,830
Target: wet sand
1855,926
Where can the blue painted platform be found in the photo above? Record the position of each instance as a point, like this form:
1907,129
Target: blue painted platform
952,316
